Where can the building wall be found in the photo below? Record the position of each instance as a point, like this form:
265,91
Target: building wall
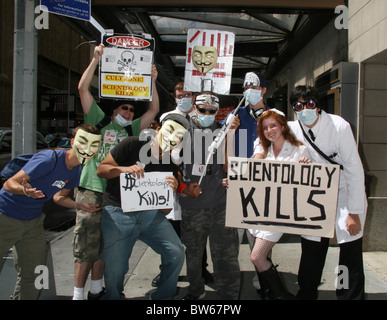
328,48
365,42
368,46
55,46
6,61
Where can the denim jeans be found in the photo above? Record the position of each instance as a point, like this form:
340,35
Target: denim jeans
120,232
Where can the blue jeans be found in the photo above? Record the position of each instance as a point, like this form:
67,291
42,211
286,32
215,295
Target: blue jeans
120,232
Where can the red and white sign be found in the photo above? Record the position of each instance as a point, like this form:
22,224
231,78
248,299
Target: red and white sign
128,42
126,66
209,61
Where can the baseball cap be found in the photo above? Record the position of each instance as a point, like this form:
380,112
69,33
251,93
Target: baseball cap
254,79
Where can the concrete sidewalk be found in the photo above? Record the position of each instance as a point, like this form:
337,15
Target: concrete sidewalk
144,266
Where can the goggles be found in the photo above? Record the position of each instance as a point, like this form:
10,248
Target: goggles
204,110
298,106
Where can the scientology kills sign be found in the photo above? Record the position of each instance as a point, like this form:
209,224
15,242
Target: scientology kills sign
148,193
287,197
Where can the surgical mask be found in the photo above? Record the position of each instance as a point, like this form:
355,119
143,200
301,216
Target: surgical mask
122,122
205,120
253,96
184,104
307,116
85,145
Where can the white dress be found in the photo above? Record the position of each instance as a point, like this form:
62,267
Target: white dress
287,153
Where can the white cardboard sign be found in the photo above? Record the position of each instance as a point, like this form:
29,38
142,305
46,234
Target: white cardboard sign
287,197
148,193
209,58
126,67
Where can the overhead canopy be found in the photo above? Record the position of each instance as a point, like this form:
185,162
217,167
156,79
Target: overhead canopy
267,33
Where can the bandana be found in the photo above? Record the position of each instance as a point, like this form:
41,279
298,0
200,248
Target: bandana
207,99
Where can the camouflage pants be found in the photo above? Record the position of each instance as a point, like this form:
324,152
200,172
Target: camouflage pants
196,227
88,241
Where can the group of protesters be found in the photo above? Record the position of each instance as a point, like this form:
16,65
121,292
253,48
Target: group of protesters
110,143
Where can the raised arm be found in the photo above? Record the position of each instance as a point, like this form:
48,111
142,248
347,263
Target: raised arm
154,105
87,77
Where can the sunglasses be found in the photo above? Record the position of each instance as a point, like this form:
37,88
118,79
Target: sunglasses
298,106
127,108
204,110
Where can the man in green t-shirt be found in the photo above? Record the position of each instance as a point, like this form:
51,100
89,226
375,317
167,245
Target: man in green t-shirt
88,242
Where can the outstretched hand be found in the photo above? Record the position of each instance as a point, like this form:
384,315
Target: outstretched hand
31,192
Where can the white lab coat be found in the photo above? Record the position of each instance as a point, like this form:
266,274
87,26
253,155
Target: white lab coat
334,136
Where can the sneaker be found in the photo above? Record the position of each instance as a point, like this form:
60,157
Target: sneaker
96,296
189,296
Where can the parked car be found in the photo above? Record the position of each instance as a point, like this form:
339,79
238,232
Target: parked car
61,143
6,145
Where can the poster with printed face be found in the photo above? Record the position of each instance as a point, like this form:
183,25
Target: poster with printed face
287,197
148,193
209,57
126,66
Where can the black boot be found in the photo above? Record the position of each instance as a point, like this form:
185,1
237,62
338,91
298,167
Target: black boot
271,280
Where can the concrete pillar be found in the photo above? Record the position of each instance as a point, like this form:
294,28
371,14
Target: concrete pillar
25,63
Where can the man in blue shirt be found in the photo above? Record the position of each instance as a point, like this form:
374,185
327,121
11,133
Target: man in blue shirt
254,87
48,174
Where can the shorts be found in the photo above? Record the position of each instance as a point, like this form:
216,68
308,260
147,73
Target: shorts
266,235
88,240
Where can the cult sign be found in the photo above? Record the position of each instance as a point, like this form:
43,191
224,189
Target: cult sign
287,197
126,66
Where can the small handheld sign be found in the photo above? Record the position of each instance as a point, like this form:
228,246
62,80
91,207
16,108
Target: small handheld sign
126,66
148,193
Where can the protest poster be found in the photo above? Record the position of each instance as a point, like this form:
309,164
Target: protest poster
148,193
209,58
126,66
287,197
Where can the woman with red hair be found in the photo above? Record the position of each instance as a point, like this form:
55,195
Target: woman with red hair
277,142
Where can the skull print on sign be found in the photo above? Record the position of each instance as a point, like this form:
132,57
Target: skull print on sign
127,61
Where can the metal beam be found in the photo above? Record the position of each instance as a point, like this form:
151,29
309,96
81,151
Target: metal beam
321,4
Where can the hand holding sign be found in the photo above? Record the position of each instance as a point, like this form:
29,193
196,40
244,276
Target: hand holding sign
136,170
147,191
193,190
288,197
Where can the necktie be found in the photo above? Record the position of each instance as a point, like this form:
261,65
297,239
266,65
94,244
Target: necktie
311,134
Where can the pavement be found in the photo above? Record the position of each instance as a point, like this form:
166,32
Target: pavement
144,266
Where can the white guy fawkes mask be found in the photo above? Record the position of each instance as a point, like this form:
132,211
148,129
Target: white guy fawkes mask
204,58
85,145
170,135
